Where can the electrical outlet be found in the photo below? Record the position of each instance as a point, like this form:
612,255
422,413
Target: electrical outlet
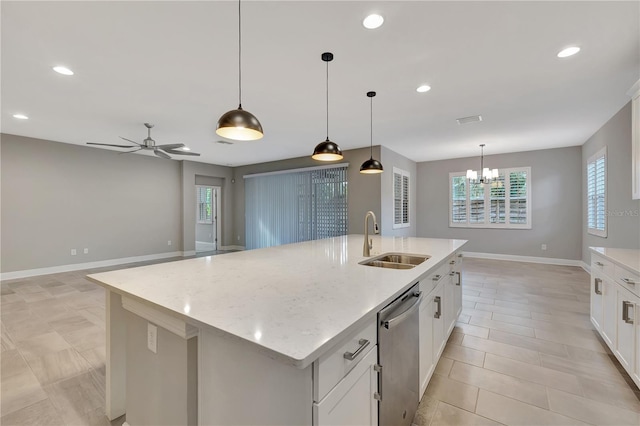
169,242
152,338
73,252
86,251
544,247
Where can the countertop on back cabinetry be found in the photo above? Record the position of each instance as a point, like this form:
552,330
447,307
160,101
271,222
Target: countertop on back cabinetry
627,258
292,302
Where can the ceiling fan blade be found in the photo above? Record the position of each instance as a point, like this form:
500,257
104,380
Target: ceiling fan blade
170,146
129,152
161,154
108,144
171,151
129,140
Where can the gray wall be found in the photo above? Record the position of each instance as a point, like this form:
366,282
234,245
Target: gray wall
555,197
58,196
623,228
202,173
363,192
389,160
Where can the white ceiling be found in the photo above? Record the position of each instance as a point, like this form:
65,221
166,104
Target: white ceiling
174,64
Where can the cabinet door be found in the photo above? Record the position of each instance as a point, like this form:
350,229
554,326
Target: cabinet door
596,302
609,317
352,401
625,339
426,342
636,371
437,303
457,293
448,308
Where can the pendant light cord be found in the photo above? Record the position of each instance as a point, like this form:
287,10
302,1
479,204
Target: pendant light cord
327,100
239,57
371,147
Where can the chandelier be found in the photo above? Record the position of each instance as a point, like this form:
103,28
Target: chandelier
484,175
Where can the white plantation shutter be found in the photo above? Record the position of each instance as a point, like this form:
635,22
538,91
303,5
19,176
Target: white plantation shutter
401,203
596,193
205,204
504,203
295,206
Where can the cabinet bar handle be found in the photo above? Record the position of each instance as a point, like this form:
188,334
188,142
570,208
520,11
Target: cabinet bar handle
599,263
351,356
459,274
438,301
628,281
625,312
596,285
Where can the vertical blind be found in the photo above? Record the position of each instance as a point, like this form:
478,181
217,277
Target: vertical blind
596,193
295,206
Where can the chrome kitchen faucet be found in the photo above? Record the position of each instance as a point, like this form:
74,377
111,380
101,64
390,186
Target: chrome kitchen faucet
368,244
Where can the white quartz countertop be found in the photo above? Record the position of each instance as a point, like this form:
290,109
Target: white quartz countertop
627,258
292,302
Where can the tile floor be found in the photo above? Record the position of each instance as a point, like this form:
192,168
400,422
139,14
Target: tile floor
523,353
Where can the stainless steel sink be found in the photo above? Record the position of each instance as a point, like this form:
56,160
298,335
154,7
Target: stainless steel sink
396,260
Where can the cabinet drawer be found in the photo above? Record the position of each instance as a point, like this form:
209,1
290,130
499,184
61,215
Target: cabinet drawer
601,264
627,279
433,279
331,367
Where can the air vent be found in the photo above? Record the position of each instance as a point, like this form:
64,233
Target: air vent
470,119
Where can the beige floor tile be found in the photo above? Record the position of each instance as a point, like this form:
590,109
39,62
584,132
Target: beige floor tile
37,297
6,342
472,330
477,299
86,338
591,411
455,338
503,310
476,313
27,327
69,323
468,304
12,364
609,393
577,320
448,415
42,345
444,366
502,326
466,291
544,325
532,343
95,314
521,306
56,366
502,349
463,354
95,357
543,376
503,384
570,339
511,412
41,413
19,391
60,290
452,392
426,410
599,360
75,397
8,299
581,369
464,318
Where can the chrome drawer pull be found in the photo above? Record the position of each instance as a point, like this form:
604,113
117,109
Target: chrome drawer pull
438,301
625,312
596,286
628,281
351,356
453,262
437,278
599,263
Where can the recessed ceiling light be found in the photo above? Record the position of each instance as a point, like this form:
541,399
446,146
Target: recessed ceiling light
20,116
373,21
569,51
63,70
423,88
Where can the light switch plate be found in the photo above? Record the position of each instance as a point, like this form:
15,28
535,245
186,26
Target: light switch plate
152,338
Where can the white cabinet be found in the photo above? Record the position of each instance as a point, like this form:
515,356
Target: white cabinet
426,342
615,311
634,92
352,401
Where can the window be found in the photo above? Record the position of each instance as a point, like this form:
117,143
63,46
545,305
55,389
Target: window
597,193
400,198
295,205
205,204
504,203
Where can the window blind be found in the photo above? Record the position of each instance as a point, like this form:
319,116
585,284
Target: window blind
596,193
205,204
292,207
400,198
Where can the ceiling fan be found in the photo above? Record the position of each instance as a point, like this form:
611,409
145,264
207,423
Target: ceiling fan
149,144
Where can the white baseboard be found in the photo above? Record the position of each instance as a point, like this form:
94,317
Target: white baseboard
189,253
530,259
231,247
88,265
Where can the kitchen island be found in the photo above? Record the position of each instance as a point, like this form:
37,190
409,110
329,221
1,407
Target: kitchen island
248,337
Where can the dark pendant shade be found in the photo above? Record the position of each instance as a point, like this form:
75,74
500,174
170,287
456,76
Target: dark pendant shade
239,125
327,151
371,166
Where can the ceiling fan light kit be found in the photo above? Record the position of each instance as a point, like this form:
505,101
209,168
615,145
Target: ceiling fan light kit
327,150
238,124
371,166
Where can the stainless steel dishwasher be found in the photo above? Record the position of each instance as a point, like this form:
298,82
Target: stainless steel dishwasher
399,385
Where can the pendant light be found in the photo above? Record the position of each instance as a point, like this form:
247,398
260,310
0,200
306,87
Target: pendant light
327,150
238,124
371,166
486,175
